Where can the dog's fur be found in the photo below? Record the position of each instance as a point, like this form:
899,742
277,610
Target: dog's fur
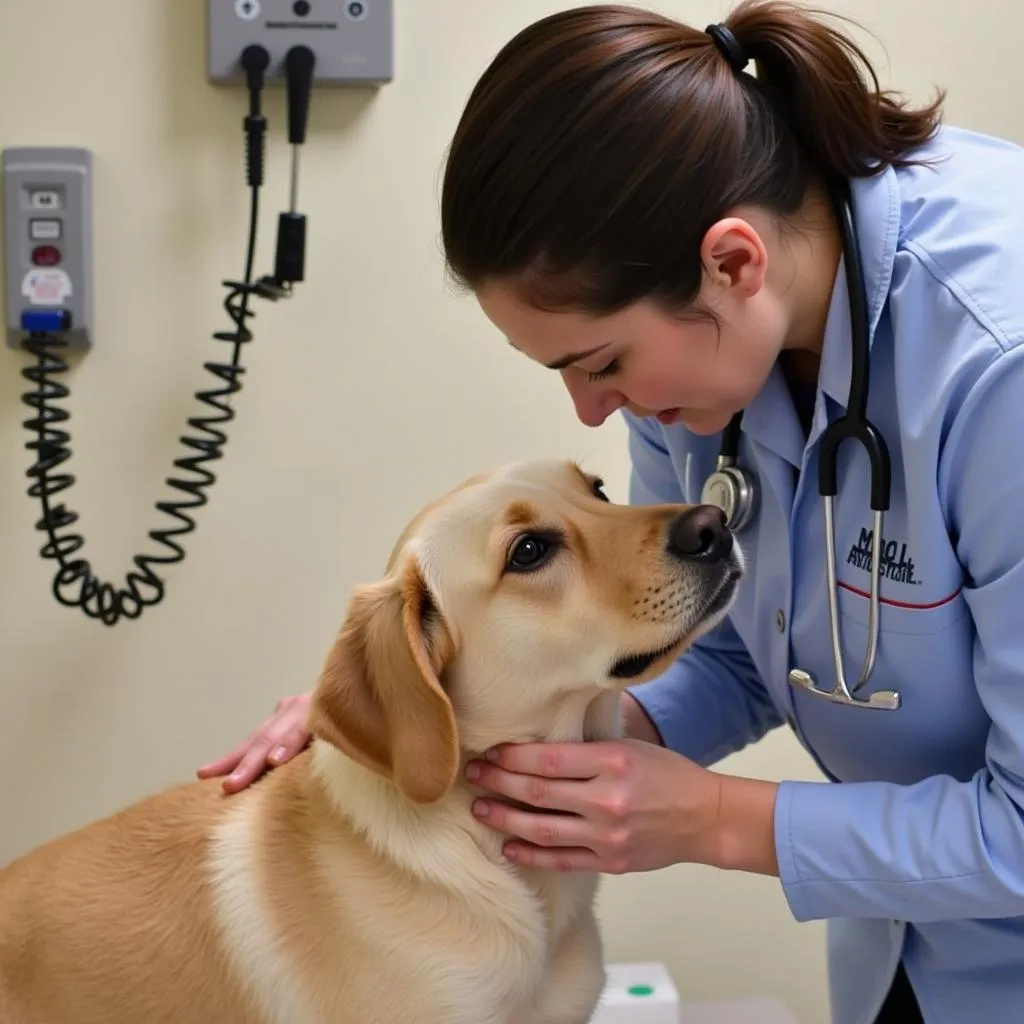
353,883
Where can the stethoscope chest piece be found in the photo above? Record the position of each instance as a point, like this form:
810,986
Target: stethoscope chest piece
882,700
731,489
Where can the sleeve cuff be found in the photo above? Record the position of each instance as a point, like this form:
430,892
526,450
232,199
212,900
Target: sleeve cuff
785,852
829,839
935,850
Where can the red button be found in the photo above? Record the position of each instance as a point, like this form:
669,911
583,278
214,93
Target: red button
46,255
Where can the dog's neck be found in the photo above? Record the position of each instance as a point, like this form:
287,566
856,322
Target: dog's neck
424,838
575,718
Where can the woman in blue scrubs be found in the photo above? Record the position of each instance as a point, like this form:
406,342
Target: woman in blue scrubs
634,209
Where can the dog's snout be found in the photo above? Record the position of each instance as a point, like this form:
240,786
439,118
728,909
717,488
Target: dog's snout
700,535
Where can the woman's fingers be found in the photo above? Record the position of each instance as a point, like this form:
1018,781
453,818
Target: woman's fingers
558,858
277,740
294,740
223,764
552,760
252,765
535,790
547,830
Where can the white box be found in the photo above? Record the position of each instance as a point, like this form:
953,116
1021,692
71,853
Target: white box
638,993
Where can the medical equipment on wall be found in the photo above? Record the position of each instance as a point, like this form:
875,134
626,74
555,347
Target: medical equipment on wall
47,254
735,490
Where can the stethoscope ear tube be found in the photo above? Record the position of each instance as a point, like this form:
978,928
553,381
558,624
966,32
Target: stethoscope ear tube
735,490
853,425
864,432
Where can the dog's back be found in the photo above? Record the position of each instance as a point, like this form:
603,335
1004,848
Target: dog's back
113,922
271,907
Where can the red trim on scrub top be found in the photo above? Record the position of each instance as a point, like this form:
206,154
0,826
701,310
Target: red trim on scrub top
903,604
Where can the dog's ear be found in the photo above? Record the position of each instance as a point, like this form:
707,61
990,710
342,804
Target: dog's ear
380,699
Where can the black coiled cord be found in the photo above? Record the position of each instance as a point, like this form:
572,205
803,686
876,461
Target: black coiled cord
75,584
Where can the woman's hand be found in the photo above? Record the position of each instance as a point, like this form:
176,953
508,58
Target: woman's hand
622,806
276,741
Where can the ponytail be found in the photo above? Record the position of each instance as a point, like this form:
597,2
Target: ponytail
828,90
602,142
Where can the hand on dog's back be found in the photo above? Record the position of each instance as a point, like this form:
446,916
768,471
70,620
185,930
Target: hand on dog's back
281,736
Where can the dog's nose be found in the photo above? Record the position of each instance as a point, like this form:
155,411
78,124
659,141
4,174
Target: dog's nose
700,535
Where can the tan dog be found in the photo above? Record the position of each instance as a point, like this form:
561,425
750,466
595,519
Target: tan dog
353,884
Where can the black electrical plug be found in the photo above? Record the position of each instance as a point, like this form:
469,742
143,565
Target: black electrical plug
255,60
289,265
299,62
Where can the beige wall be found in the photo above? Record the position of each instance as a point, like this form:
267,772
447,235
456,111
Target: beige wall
369,392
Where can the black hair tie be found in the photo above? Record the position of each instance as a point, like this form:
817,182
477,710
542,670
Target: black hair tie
729,46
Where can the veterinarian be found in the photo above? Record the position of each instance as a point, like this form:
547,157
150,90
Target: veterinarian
634,209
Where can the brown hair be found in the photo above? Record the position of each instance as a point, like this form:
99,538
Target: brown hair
602,142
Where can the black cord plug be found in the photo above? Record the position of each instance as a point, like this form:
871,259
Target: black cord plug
299,62
290,257
255,60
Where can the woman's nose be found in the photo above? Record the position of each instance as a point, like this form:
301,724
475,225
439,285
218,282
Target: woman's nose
594,403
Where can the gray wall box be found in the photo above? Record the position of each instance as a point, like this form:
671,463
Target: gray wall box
352,39
47,211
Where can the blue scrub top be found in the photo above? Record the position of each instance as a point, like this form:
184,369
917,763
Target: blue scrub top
915,847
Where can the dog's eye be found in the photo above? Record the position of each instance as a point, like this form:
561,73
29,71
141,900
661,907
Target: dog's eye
531,552
598,486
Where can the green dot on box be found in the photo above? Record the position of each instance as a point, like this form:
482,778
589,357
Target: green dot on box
640,990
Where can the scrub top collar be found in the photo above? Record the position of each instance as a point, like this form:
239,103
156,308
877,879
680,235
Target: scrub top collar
770,419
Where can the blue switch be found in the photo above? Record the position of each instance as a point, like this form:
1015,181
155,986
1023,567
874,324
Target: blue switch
45,321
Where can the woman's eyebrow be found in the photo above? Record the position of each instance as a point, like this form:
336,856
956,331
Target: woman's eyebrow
573,357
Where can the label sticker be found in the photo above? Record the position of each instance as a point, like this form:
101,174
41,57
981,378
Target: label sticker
44,230
44,199
49,287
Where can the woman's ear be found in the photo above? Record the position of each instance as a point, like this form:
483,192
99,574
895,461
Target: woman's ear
734,257
380,699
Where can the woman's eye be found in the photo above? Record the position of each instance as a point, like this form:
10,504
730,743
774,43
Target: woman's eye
531,552
609,371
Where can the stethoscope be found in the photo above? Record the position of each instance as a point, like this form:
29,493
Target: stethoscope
735,491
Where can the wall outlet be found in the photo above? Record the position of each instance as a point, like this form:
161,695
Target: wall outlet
47,254
352,39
